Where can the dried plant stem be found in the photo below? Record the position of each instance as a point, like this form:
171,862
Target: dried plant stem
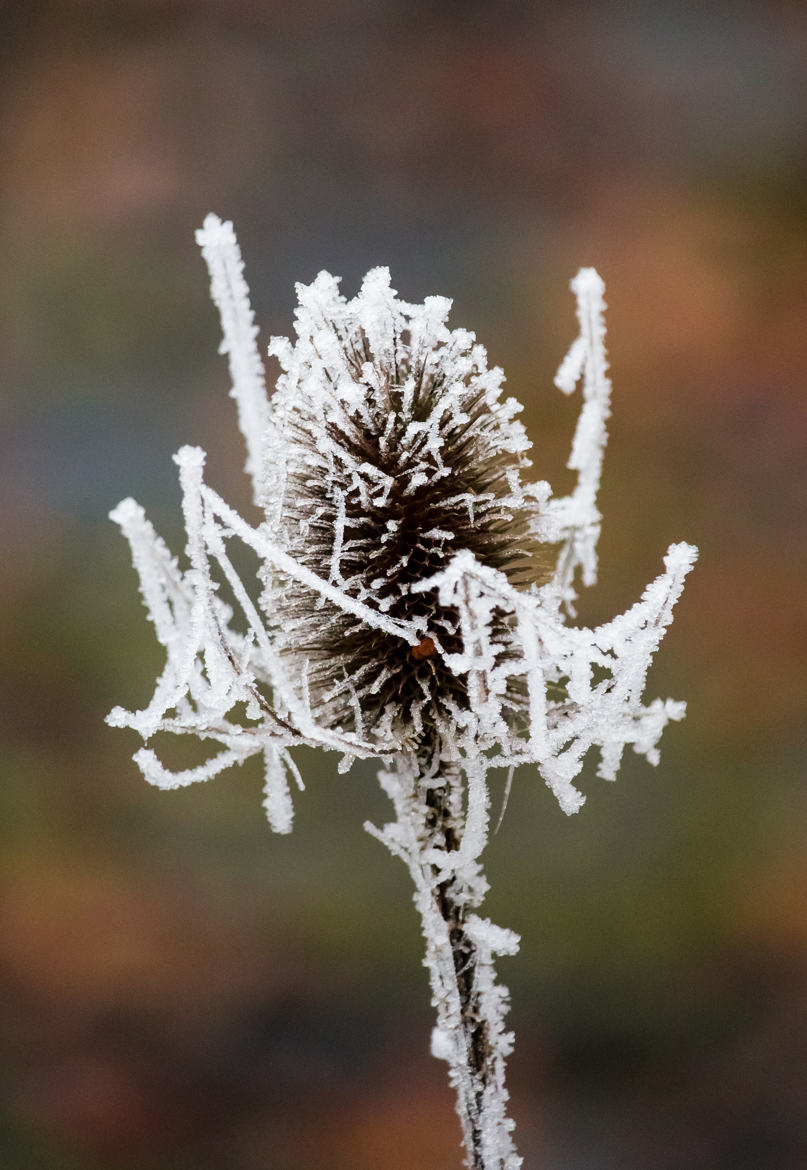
470,1006
452,904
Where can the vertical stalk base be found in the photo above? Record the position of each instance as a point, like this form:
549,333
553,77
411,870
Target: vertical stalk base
460,947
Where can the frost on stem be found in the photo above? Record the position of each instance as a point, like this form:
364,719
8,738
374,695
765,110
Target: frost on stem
413,606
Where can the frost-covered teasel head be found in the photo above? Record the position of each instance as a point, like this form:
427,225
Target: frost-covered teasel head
412,604
414,592
389,449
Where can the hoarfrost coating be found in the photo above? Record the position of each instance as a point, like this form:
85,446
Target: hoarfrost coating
413,605
390,472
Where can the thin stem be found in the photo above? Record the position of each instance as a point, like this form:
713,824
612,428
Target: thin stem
460,946
452,903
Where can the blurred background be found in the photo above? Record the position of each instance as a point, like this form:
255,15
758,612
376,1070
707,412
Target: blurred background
179,988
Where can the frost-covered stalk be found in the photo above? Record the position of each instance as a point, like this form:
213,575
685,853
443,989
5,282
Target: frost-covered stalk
414,596
469,1033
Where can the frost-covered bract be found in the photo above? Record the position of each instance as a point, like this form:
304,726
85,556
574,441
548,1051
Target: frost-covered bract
412,605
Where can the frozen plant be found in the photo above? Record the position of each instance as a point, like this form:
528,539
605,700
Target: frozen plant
413,607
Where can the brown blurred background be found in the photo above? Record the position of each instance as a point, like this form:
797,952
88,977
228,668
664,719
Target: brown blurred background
179,988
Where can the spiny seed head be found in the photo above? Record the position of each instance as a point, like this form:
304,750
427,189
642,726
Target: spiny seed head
389,450
400,562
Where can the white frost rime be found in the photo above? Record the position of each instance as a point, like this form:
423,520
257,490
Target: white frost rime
239,341
414,603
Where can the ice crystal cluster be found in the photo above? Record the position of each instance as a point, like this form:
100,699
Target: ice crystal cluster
413,605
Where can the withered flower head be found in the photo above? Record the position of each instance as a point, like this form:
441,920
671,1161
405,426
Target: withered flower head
390,449
408,610
414,592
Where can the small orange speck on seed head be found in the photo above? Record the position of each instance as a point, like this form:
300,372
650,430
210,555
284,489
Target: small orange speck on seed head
424,649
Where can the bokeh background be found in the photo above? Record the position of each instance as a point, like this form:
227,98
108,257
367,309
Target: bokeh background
179,988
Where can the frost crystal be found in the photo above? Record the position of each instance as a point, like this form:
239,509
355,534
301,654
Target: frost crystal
413,606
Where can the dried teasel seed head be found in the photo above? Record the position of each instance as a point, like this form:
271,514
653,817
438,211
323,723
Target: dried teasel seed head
401,562
390,449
